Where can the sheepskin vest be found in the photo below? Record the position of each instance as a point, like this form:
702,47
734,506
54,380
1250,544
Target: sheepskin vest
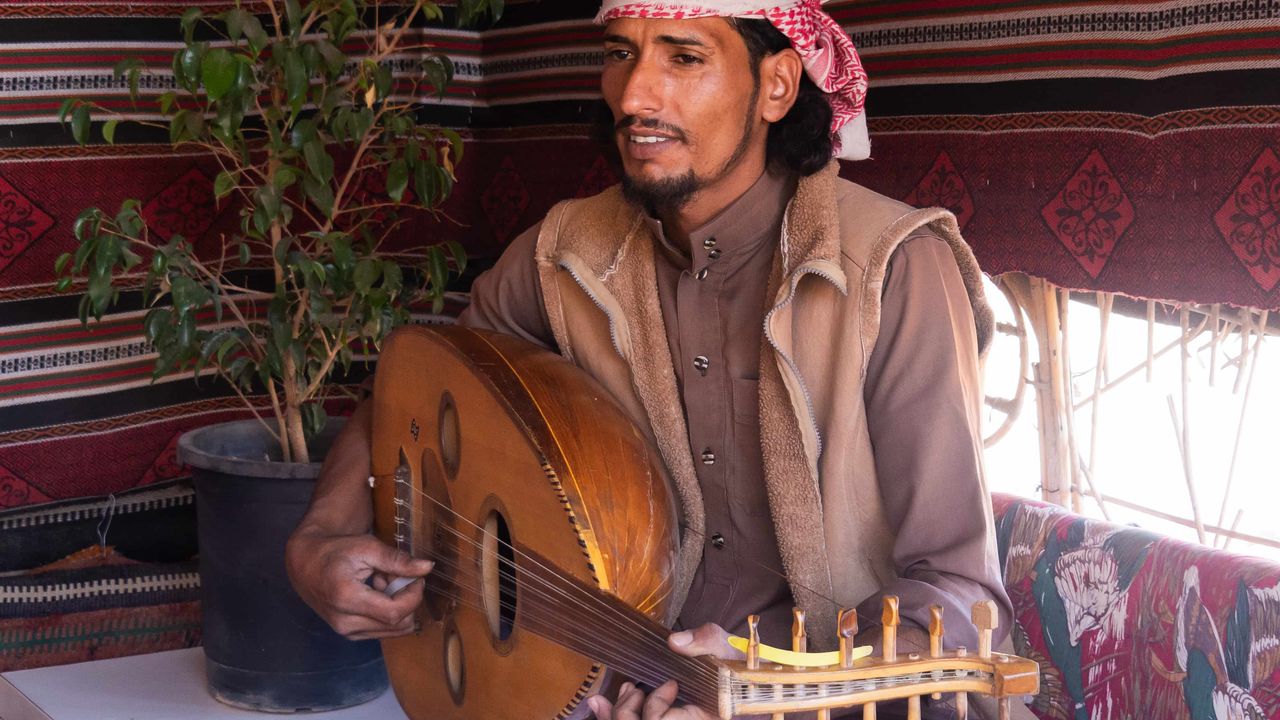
596,268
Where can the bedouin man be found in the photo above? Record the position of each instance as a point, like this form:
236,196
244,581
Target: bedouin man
803,351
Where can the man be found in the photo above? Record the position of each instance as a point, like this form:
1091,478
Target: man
803,352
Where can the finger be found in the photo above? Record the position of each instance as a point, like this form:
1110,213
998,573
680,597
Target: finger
355,627
378,581
364,601
660,700
630,699
709,639
396,562
600,707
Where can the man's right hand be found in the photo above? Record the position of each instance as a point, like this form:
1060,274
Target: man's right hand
342,578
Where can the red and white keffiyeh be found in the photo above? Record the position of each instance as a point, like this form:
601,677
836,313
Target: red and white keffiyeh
830,59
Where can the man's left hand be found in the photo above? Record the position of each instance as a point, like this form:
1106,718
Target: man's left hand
633,704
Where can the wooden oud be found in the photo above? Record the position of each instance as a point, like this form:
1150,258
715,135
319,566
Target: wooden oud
554,535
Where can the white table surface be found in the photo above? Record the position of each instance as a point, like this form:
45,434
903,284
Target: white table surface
160,686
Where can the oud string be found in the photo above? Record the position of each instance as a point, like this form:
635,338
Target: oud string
587,602
557,610
594,605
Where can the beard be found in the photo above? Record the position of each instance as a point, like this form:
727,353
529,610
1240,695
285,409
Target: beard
673,193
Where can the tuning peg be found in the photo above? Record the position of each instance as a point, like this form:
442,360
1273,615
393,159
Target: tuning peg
986,619
799,641
935,631
847,626
753,642
889,619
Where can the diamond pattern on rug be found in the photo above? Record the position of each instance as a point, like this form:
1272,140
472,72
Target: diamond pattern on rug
1249,220
21,223
166,465
186,208
505,200
943,186
1090,214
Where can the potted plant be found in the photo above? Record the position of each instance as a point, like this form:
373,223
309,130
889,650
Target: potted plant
302,112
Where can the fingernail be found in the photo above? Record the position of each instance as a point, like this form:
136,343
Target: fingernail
593,702
626,688
681,639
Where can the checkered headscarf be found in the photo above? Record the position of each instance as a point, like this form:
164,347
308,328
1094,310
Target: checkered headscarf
830,59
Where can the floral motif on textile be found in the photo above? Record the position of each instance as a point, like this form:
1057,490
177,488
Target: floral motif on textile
1090,214
21,223
1250,220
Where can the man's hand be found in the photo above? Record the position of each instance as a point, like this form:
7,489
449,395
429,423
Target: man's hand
330,573
632,703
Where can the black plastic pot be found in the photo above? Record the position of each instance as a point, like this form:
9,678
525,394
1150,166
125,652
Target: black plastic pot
265,649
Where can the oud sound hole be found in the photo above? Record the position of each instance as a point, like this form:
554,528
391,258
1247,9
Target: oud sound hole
499,576
450,436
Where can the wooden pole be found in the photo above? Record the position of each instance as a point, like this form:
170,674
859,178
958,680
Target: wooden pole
1104,321
1215,313
1040,300
1151,339
1246,327
1244,410
1068,405
1234,524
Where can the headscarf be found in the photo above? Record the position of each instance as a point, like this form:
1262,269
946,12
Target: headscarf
830,59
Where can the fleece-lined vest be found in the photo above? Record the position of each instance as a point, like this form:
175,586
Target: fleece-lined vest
599,283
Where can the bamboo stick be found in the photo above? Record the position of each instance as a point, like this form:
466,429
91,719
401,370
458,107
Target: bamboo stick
1213,346
1246,537
1151,339
1185,322
1234,524
1136,368
1068,406
1244,410
1097,496
1186,470
1246,328
1040,300
1104,321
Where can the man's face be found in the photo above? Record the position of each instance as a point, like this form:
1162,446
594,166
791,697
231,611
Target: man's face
683,99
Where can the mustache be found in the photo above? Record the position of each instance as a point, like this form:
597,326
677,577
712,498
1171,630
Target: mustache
630,121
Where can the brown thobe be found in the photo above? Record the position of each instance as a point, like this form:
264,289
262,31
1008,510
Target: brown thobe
712,295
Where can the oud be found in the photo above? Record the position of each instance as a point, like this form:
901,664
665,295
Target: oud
554,535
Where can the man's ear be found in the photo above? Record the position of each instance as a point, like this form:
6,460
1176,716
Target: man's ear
780,75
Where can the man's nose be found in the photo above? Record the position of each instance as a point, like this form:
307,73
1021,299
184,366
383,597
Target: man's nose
642,94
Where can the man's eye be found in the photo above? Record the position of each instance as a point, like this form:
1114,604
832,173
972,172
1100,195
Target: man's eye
617,54
685,59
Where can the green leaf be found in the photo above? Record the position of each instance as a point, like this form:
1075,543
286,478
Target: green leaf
224,184
314,419
459,255
439,271
392,277
439,71
256,35
166,101
192,57
320,194
66,108
319,162
188,22
456,145
218,73
234,18
64,283
109,130
366,275
188,295
61,263
80,124
334,59
245,256
296,81
382,81
397,180
293,13
285,177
